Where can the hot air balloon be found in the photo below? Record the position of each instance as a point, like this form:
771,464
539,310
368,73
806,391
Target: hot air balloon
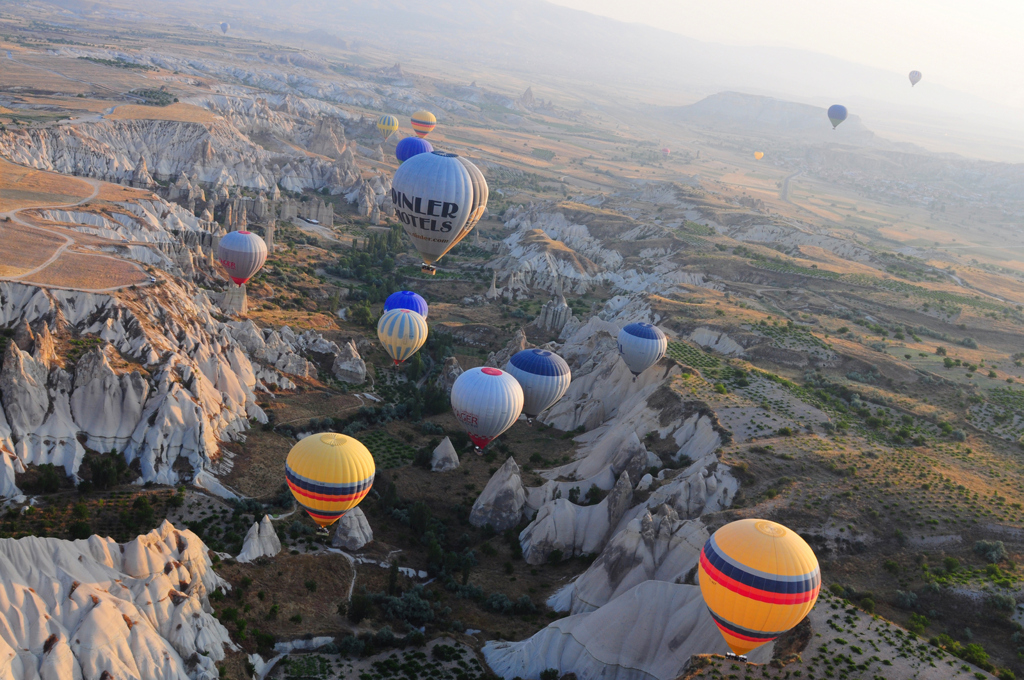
423,123
641,345
411,146
836,114
915,78
544,377
387,125
436,195
329,474
402,332
666,151
242,253
479,205
224,26
406,299
759,580
486,401
758,155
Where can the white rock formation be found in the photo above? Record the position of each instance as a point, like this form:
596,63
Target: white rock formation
92,608
647,633
575,529
105,405
517,344
353,531
444,457
348,366
705,486
716,340
658,547
450,372
501,502
261,541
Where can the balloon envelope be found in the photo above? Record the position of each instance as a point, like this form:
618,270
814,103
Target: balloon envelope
411,146
242,253
406,299
915,78
666,151
224,26
329,474
544,377
641,345
402,332
387,125
759,580
435,197
836,114
423,123
758,155
486,401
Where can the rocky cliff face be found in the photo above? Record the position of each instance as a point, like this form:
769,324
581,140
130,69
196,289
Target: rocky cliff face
165,383
214,152
93,608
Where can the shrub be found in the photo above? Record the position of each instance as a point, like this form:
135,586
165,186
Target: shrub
550,674
891,566
951,564
868,605
991,551
905,600
311,585
918,622
555,556
80,529
1001,603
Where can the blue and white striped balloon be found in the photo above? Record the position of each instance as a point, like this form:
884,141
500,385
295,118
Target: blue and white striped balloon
641,345
402,332
544,377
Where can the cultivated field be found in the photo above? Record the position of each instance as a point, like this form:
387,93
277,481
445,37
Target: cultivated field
25,248
186,113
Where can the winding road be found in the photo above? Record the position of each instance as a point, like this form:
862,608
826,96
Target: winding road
68,242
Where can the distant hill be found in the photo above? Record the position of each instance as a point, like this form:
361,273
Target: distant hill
753,115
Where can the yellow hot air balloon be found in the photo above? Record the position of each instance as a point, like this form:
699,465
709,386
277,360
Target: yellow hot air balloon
387,125
759,579
402,332
329,474
423,122
758,155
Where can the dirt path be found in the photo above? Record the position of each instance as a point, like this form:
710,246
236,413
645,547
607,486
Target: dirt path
784,191
68,242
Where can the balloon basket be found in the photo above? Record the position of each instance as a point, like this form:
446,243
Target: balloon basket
322,531
737,657
428,269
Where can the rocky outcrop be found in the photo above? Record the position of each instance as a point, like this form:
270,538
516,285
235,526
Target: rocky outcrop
650,632
93,608
261,541
450,372
105,405
444,457
553,316
517,344
348,366
353,531
658,547
501,502
717,341
705,486
574,529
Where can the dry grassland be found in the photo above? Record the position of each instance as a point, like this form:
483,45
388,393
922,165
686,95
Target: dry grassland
22,187
186,113
77,270
25,248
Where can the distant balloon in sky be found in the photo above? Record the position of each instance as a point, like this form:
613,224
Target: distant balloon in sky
224,26
666,151
242,254
406,299
423,123
411,146
915,78
836,114
402,332
387,125
759,155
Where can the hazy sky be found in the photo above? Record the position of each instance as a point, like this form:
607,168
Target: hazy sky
970,45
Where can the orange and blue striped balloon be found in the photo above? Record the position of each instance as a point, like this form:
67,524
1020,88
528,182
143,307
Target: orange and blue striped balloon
423,123
329,474
759,580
